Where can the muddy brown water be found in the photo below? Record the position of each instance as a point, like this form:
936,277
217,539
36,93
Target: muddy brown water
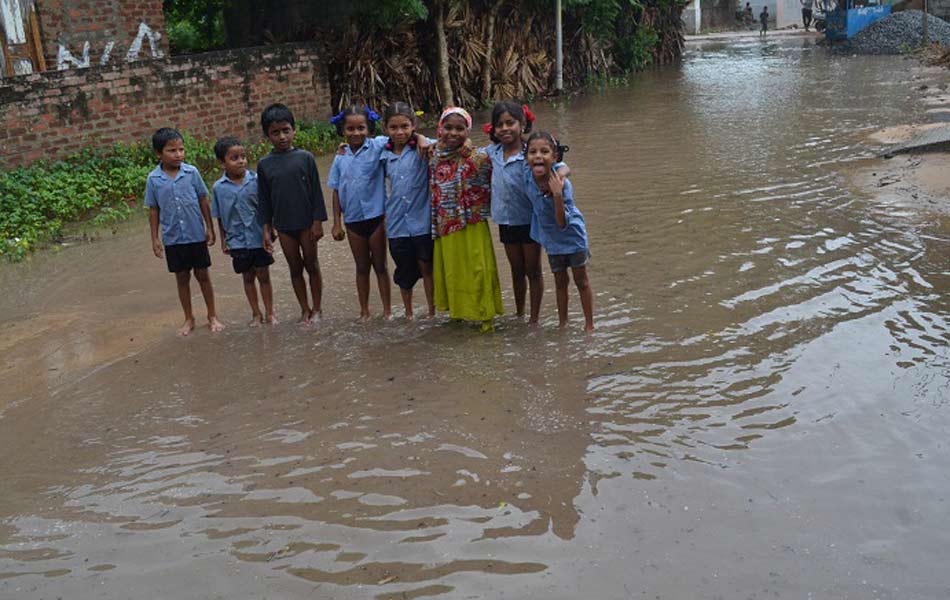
762,412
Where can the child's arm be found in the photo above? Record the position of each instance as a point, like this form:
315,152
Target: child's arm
562,170
153,225
337,231
206,215
557,192
316,201
224,238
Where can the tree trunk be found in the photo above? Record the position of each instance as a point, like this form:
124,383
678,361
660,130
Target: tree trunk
489,49
442,55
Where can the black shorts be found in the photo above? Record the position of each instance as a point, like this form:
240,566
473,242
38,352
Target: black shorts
365,228
185,257
406,253
515,234
246,259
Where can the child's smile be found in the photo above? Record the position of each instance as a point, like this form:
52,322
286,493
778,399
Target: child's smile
355,131
454,131
399,128
507,129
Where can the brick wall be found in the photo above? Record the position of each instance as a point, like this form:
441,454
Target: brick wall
52,114
72,23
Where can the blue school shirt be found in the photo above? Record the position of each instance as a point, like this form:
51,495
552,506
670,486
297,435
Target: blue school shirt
177,200
408,209
544,227
358,179
509,204
237,207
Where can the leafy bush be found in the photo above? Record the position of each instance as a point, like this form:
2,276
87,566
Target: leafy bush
105,185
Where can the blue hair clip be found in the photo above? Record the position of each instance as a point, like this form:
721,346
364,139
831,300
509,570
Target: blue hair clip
372,115
336,118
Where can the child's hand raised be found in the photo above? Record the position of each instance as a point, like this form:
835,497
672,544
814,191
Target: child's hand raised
337,232
556,184
157,249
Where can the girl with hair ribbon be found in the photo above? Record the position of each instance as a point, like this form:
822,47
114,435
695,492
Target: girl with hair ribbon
464,269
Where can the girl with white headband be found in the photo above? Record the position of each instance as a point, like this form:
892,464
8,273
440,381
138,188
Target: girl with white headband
464,268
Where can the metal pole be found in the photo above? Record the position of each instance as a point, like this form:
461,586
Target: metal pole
559,79
925,38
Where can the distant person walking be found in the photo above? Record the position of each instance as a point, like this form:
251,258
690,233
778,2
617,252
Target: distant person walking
764,21
807,12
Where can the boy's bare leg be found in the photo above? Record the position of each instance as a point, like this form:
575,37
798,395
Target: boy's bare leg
359,246
250,290
587,296
204,282
377,249
407,302
515,254
311,263
561,281
428,284
267,294
291,247
183,281
532,269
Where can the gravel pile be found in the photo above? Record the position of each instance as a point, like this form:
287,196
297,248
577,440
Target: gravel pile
898,33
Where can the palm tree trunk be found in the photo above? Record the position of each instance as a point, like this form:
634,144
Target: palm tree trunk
442,55
489,49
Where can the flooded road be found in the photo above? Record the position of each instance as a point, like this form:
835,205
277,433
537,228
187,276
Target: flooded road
762,412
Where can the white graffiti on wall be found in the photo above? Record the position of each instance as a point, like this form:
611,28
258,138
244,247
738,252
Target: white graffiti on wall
67,60
11,19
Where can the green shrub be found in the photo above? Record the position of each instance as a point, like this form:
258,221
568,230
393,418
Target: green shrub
105,185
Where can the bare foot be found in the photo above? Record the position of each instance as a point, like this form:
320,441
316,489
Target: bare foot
270,320
316,315
215,324
306,317
589,327
186,328
532,323
409,316
388,315
256,321
364,317
562,325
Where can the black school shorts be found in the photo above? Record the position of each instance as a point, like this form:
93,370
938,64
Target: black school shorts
406,253
247,259
185,257
515,234
365,228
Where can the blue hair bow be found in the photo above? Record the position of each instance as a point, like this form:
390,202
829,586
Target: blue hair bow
372,115
336,118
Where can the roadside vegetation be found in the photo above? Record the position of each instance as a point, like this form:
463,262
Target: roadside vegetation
104,185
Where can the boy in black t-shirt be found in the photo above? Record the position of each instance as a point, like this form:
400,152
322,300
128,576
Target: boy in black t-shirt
292,204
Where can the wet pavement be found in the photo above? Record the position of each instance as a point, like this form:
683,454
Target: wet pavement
762,412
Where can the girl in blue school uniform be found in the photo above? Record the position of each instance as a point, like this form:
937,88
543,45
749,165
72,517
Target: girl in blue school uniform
557,224
510,207
408,209
359,197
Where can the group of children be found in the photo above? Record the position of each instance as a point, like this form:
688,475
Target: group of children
433,213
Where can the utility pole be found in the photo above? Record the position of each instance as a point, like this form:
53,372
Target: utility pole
926,38
559,77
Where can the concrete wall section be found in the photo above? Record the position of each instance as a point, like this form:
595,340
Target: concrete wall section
49,115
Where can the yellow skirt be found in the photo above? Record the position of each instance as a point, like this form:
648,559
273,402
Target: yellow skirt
466,276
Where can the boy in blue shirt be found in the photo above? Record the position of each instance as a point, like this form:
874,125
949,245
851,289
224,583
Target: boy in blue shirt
177,199
234,204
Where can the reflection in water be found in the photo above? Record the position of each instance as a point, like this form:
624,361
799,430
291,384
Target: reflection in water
759,327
